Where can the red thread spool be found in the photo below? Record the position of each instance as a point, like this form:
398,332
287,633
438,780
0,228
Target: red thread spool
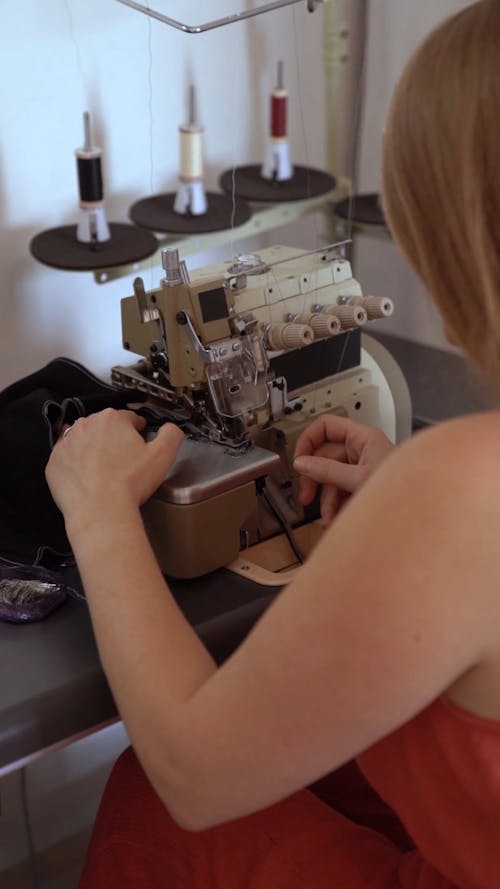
278,114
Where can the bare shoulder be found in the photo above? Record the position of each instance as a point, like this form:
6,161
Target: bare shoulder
458,458
433,509
423,532
451,474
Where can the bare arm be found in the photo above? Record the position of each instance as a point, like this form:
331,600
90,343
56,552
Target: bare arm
377,624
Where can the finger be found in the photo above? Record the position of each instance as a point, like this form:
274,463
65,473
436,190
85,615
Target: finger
134,419
331,498
307,490
331,450
327,428
69,428
307,487
369,442
345,476
166,443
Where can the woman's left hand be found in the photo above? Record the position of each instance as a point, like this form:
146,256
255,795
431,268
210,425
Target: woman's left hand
102,465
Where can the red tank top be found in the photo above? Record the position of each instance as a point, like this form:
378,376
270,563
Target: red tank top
441,773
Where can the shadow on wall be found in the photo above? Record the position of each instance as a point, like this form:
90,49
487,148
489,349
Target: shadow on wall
16,263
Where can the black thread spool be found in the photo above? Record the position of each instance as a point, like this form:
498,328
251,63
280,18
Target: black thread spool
93,243
93,226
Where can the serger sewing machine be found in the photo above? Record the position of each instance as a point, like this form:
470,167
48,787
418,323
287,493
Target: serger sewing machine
243,356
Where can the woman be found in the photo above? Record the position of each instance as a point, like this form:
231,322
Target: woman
386,647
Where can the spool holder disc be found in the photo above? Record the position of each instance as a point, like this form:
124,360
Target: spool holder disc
157,213
59,248
250,185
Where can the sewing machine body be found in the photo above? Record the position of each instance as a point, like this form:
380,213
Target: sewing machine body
243,357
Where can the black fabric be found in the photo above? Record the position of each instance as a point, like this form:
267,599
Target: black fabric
32,413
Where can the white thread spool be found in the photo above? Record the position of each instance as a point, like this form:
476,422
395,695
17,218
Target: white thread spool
190,196
191,160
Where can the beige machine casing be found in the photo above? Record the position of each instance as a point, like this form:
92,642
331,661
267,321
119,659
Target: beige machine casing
220,331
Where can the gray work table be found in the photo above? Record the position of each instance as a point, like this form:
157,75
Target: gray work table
52,688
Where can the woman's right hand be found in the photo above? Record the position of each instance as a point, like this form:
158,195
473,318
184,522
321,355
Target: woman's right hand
340,455
104,465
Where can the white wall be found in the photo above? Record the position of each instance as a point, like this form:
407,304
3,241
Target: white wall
61,57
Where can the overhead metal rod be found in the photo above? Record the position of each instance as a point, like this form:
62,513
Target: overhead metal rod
217,23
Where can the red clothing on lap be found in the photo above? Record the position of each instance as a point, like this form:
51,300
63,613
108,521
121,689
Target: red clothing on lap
440,773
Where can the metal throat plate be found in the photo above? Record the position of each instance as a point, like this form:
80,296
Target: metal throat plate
204,469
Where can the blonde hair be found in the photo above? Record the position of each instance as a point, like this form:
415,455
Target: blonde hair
441,176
